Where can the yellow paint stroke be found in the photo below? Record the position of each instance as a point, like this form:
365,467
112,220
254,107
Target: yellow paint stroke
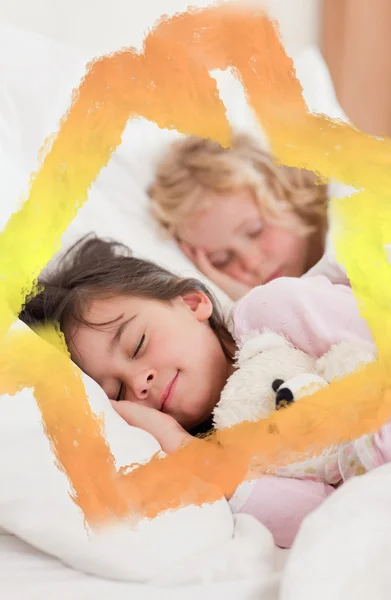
169,84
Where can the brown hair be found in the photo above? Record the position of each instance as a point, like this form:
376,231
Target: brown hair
95,268
193,165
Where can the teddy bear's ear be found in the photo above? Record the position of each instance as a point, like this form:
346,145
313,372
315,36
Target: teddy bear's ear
255,343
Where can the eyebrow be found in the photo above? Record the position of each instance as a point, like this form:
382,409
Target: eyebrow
117,336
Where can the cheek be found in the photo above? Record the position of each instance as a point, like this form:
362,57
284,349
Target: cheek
205,231
284,244
161,349
170,342
234,269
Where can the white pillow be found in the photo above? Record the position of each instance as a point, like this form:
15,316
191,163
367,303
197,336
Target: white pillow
35,502
34,498
31,107
37,79
38,76
143,143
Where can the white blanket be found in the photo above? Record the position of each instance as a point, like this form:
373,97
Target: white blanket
341,553
343,549
26,573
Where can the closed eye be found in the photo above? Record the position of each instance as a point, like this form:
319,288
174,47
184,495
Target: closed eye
120,392
140,345
255,233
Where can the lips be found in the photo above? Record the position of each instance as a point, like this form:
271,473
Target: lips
272,276
167,392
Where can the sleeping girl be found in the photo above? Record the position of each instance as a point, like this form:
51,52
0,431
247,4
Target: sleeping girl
240,218
158,346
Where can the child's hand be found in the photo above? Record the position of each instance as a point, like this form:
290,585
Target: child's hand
165,429
170,435
233,288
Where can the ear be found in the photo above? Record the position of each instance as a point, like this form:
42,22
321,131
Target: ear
199,304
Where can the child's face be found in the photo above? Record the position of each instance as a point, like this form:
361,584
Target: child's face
240,243
162,355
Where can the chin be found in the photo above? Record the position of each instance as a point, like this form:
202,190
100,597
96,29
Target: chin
193,421
205,426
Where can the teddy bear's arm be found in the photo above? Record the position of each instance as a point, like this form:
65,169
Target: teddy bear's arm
344,358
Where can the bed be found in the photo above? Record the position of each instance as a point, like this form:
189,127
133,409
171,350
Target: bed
341,551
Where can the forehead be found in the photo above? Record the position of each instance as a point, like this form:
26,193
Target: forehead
109,308
214,227
104,315
89,345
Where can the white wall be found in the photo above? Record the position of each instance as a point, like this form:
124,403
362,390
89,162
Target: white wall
100,26
299,21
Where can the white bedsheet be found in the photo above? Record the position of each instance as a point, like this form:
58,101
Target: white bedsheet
342,552
28,574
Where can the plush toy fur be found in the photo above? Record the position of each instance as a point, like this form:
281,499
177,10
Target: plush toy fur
266,358
272,373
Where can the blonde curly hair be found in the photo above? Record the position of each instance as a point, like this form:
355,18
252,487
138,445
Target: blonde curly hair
195,165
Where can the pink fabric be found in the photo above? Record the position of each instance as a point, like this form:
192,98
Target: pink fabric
383,443
311,312
281,504
330,268
314,314
366,453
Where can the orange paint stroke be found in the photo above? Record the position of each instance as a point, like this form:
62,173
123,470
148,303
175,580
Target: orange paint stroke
204,470
170,84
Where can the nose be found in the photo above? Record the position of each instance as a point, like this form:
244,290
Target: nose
142,383
251,259
284,397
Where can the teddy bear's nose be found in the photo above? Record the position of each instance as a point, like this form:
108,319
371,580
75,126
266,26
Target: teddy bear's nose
276,384
284,397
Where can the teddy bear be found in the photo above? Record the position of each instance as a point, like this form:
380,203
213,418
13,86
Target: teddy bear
272,373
